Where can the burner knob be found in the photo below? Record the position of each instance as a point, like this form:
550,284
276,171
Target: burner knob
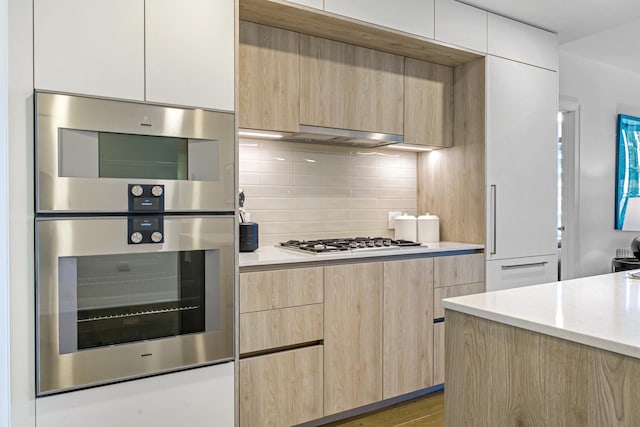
386,242
136,237
353,245
370,243
136,190
156,236
379,243
156,190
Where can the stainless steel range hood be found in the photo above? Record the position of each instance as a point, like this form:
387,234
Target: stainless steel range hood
327,135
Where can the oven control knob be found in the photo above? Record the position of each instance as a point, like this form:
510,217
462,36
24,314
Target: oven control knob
136,190
136,237
156,190
156,236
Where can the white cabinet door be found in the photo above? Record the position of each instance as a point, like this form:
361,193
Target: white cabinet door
200,397
190,53
461,25
411,16
318,4
91,47
517,272
522,42
521,159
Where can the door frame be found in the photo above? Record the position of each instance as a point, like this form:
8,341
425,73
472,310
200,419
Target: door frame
568,253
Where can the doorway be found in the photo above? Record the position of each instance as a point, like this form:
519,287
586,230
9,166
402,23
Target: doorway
568,189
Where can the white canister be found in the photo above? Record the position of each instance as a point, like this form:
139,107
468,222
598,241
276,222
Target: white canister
428,228
405,227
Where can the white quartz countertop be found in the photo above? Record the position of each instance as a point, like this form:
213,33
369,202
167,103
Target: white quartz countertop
271,255
599,311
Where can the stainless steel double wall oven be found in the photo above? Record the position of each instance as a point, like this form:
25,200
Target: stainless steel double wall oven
134,239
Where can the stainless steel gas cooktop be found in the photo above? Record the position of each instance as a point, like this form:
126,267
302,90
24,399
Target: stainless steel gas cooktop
344,244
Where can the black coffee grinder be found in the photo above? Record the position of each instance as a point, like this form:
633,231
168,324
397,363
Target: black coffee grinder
248,230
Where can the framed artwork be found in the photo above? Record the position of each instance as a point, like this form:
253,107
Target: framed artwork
627,215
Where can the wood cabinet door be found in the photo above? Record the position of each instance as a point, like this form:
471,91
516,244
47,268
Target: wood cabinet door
350,87
190,53
281,389
353,336
408,326
89,47
269,85
458,270
428,103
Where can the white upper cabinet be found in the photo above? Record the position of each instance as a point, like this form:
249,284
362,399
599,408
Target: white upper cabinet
461,25
155,50
522,42
411,16
318,4
190,52
521,159
91,47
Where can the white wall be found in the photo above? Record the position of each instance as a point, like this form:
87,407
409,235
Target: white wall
602,92
4,217
309,191
21,276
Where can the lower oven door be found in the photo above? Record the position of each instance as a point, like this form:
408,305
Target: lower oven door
108,309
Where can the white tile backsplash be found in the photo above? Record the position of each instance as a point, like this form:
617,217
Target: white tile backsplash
305,191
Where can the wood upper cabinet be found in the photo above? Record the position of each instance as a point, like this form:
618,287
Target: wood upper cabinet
350,87
408,326
353,336
428,103
269,70
281,389
410,16
145,50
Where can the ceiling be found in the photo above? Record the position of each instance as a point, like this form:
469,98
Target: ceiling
602,30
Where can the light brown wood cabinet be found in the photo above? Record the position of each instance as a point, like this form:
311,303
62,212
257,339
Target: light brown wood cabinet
353,336
350,87
428,103
407,329
281,389
458,270
268,87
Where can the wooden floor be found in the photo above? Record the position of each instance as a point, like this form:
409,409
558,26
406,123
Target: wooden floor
426,411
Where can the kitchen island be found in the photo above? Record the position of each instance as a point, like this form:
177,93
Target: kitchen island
557,354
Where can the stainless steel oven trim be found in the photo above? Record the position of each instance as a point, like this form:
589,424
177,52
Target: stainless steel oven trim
107,235
55,193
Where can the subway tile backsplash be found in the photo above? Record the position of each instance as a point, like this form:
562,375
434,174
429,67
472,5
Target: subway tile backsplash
306,191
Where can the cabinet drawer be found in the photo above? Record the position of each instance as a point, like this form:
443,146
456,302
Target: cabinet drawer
458,270
438,353
517,272
266,290
453,291
281,389
263,330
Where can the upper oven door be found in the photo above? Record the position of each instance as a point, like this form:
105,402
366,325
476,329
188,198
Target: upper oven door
88,151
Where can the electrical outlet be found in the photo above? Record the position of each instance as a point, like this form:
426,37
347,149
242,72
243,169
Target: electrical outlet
391,223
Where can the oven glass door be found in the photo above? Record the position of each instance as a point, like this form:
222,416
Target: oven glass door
88,150
109,310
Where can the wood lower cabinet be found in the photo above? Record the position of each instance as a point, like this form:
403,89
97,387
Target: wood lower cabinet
407,329
268,87
353,336
438,353
281,389
366,86
458,270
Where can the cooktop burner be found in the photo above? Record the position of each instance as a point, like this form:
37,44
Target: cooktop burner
344,244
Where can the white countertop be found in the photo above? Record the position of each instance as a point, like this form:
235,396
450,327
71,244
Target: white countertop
271,255
599,311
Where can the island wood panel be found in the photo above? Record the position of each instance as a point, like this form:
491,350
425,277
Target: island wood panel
497,374
438,353
265,290
352,336
408,326
281,389
262,330
451,182
458,270
268,86
350,87
340,28
428,103
453,291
